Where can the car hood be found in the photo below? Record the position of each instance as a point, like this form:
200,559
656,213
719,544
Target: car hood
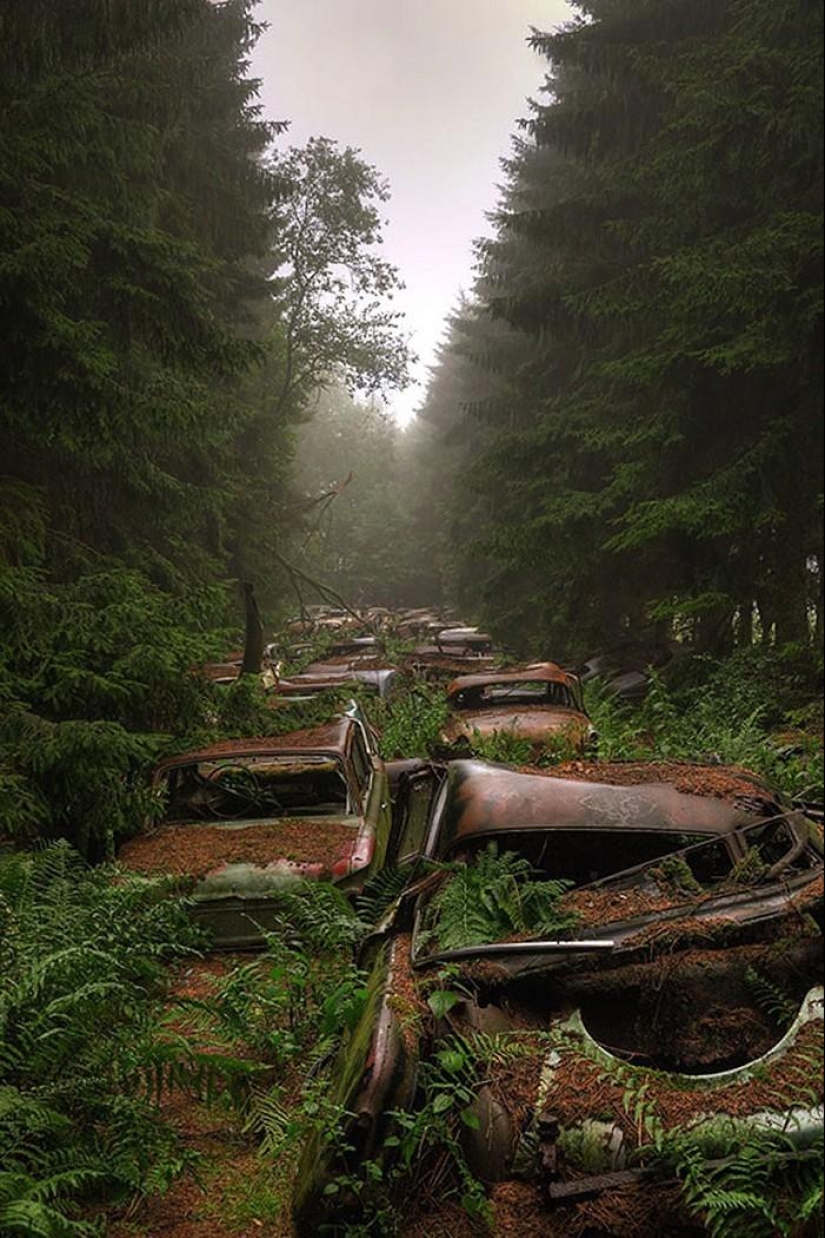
230,858
528,721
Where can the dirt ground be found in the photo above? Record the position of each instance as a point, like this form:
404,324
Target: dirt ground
232,1192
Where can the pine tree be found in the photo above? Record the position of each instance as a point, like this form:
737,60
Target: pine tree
654,449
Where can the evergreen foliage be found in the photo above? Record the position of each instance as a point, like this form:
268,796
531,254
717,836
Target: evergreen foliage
630,405
147,400
135,207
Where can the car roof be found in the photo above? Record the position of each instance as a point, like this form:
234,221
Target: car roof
331,738
483,799
545,672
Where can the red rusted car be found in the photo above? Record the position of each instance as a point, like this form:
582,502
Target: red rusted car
677,976
245,818
540,703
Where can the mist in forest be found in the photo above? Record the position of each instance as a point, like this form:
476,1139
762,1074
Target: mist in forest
430,92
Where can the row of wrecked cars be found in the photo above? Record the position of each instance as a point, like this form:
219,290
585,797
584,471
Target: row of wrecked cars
603,940
537,702
354,655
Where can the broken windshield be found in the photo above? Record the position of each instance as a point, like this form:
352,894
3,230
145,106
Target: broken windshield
256,788
526,692
580,857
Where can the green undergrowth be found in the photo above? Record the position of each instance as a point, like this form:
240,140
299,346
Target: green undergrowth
87,1050
84,1053
743,711
411,723
507,748
494,898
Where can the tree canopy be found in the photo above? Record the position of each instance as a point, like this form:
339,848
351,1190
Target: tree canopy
163,327
636,387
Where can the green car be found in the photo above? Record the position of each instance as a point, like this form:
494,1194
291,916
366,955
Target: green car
247,818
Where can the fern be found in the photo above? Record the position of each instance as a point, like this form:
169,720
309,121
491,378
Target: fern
82,1046
492,898
317,916
773,1000
763,1188
272,1122
380,892
501,1048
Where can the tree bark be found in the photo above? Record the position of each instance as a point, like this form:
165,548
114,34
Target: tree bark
253,650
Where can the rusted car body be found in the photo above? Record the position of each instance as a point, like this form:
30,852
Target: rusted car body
323,619
626,670
540,704
446,652
247,818
685,904
316,679
464,641
229,670
443,664
357,664
417,623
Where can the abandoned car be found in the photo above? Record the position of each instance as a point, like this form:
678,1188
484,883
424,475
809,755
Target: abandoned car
467,641
229,670
246,818
602,944
319,678
626,670
433,663
541,704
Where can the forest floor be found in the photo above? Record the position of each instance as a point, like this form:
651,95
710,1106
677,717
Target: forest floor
230,1190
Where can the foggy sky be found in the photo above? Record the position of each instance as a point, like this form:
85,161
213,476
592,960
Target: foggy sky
429,91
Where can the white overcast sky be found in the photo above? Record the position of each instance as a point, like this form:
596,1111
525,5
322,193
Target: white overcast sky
430,92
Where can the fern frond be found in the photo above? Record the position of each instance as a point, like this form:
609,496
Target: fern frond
773,1000
492,898
380,892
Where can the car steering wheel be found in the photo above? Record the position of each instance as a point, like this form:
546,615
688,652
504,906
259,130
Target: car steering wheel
237,781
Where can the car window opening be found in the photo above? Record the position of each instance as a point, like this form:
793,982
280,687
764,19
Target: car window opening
556,695
582,857
256,790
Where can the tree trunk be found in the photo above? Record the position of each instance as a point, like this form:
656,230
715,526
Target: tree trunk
253,650
745,633
792,624
713,632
